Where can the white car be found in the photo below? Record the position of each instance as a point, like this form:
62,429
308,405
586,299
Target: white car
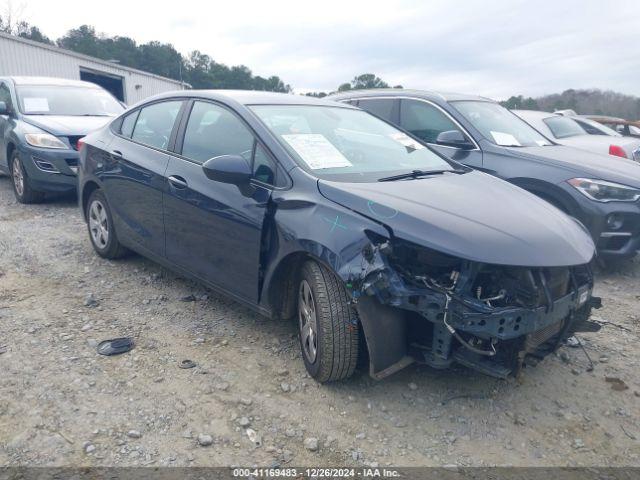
566,131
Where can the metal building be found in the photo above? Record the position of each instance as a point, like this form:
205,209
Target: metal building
22,57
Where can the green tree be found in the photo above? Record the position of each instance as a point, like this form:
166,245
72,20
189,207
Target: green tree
367,80
82,40
30,32
161,59
520,103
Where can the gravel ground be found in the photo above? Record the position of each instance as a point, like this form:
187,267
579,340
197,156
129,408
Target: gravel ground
249,401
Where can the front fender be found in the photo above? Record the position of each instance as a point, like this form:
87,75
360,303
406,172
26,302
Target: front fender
345,242
323,230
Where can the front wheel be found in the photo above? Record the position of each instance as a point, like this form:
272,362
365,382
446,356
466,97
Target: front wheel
22,184
101,230
328,325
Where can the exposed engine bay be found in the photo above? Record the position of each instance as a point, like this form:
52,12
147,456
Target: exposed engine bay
492,318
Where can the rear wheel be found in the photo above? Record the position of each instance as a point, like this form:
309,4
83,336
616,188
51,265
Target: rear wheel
22,184
328,325
101,230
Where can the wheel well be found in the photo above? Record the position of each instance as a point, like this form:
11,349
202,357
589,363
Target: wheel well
10,148
282,289
552,200
89,188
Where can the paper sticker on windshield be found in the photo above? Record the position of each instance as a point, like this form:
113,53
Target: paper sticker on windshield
406,140
34,104
505,139
317,151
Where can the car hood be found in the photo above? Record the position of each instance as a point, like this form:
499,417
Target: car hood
601,143
584,163
64,125
473,216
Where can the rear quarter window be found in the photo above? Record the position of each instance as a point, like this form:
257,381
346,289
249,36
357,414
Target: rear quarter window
155,122
126,128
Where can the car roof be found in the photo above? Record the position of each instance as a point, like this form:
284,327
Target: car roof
538,114
51,81
250,97
402,92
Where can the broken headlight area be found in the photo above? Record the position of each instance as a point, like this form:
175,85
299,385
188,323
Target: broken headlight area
493,318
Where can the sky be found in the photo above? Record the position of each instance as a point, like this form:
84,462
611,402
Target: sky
492,48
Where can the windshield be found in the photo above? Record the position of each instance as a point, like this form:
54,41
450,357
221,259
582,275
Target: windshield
343,144
563,127
499,125
63,100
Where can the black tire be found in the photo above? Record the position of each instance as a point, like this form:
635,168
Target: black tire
22,188
337,329
111,248
615,264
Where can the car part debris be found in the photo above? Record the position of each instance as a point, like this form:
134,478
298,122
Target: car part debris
617,384
3,349
584,350
115,346
572,342
187,364
254,437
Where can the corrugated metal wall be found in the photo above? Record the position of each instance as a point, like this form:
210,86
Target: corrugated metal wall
24,57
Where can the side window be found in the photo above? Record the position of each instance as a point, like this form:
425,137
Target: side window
155,122
126,128
425,121
5,96
380,107
213,131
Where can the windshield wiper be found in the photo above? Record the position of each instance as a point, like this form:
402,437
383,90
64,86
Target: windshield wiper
419,173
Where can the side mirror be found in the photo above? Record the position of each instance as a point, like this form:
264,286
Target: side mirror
232,169
454,138
3,109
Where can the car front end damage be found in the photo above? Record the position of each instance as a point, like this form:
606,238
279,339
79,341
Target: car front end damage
417,304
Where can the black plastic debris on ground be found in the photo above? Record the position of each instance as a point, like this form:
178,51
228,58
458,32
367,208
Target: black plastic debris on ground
115,346
187,364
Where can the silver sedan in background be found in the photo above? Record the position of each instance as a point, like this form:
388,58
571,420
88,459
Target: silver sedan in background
566,131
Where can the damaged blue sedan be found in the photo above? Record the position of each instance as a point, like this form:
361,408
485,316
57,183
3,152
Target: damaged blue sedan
379,247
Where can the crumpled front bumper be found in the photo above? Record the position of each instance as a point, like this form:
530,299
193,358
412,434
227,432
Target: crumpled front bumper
509,323
404,321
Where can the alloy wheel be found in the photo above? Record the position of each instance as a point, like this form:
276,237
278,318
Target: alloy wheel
18,177
308,322
98,224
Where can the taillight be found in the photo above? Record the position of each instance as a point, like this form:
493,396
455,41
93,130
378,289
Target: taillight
80,143
617,151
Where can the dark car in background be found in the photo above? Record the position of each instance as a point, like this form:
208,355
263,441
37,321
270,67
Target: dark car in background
599,190
301,207
624,127
41,121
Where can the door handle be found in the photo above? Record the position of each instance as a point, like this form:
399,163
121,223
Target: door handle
116,155
177,182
